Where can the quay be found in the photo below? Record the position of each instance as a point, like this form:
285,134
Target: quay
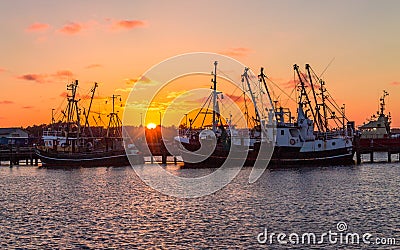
15,154
370,146
160,149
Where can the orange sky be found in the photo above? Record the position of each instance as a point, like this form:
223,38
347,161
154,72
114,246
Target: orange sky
47,44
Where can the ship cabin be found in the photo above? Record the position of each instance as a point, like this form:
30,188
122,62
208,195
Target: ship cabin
376,129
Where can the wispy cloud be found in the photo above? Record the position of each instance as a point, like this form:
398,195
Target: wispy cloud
39,78
82,96
62,74
6,102
127,24
38,27
27,107
71,28
237,51
142,79
46,78
92,66
77,27
395,83
129,89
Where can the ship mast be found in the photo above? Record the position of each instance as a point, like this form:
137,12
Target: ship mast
72,109
317,106
214,80
382,103
114,123
303,92
93,90
262,77
258,114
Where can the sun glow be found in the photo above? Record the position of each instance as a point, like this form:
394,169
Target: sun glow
151,126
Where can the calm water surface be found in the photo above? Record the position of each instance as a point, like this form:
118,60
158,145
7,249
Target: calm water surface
112,208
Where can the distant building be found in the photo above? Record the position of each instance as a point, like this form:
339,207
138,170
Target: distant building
16,136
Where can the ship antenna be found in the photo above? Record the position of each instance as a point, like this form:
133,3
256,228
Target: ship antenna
382,103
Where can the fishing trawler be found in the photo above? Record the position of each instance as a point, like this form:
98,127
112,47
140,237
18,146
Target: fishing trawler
69,144
277,138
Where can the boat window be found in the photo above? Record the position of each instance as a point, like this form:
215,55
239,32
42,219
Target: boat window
333,143
319,145
294,132
282,132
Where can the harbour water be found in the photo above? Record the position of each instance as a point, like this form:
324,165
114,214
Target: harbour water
92,208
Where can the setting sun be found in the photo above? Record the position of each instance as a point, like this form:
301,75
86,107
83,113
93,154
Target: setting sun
151,126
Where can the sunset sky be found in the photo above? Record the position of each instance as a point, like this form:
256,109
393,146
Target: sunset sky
47,44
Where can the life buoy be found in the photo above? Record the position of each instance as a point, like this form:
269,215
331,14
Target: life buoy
292,142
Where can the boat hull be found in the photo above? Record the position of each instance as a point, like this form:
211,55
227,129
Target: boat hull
282,157
98,159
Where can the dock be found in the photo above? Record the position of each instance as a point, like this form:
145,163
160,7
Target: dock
14,154
370,146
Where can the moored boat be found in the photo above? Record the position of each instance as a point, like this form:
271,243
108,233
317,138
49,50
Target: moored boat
276,139
71,144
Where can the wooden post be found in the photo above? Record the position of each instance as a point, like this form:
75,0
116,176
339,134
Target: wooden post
11,156
371,156
151,159
389,156
358,156
175,161
36,161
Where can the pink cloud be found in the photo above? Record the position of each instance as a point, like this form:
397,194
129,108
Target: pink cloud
71,28
127,24
46,78
237,51
395,83
2,70
91,66
6,102
61,74
39,78
142,79
38,27
80,96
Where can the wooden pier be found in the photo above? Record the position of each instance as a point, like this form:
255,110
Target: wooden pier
160,149
15,154
370,146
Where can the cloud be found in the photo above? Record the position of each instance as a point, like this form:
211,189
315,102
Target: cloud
39,78
141,79
395,83
27,107
129,89
127,24
6,102
81,96
2,70
95,65
46,78
38,27
62,74
71,28
237,51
